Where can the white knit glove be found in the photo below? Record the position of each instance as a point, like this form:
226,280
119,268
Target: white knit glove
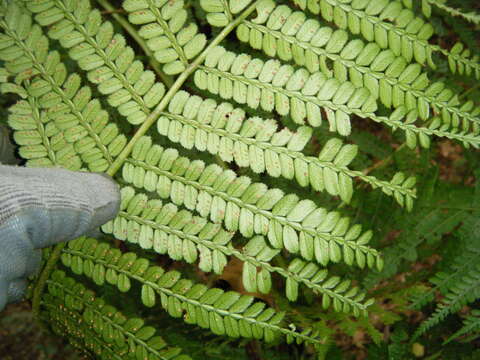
42,207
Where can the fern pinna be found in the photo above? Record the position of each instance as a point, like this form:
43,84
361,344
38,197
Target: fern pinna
87,102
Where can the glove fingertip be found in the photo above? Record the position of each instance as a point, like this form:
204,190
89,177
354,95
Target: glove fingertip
106,198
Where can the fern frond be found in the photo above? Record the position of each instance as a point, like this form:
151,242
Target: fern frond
224,313
334,290
436,127
70,125
69,303
465,291
41,145
291,36
255,143
461,62
109,62
371,20
66,323
472,16
173,41
387,76
168,230
273,86
407,37
402,193
460,283
185,143
426,224
296,225
183,236
471,324
443,281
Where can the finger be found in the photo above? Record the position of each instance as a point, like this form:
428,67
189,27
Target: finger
16,290
33,263
15,252
18,259
104,197
3,292
53,205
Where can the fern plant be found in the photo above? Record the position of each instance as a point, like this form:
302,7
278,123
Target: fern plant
232,99
458,283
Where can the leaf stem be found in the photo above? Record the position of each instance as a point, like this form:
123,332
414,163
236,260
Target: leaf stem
384,162
469,91
166,79
44,276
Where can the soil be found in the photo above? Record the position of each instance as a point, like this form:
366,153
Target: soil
23,338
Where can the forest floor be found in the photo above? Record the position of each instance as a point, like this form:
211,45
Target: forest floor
23,338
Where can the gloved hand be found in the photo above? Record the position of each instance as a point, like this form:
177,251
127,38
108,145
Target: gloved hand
42,207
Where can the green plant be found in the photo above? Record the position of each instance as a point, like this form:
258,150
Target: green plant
299,75
459,282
